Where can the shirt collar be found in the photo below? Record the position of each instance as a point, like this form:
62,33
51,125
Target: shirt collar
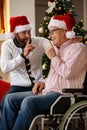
65,44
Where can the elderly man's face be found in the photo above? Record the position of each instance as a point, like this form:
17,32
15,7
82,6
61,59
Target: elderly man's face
57,36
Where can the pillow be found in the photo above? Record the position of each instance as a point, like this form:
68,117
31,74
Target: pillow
4,87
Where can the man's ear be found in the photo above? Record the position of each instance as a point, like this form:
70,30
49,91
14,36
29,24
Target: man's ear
64,32
15,34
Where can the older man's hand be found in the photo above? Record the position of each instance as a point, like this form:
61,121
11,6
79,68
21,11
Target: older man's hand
38,87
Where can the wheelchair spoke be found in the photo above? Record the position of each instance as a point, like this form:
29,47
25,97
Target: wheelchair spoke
77,118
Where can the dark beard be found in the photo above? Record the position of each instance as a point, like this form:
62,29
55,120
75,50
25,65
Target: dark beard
20,44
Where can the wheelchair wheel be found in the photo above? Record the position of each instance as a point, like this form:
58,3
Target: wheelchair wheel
75,118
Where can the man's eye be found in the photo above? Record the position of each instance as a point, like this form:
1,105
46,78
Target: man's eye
24,32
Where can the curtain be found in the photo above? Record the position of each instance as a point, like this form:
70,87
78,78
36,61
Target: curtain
1,16
6,15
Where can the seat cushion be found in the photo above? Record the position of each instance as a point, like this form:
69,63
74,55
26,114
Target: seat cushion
4,87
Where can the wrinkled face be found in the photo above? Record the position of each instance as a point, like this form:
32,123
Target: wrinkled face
23,36
57,36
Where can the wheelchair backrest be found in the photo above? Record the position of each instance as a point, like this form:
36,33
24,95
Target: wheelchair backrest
85,84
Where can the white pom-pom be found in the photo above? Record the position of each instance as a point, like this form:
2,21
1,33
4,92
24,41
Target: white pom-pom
9,35
2,37
70,34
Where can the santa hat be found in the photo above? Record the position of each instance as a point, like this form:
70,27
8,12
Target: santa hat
18,24
64,21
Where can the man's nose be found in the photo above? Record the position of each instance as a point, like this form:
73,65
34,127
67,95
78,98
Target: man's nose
49,37
27,35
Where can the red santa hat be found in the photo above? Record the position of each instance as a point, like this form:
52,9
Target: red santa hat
18,24
64,21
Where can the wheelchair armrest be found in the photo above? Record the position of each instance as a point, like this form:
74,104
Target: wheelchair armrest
73,90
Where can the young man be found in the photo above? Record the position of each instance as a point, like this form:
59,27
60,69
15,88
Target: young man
21,55
19,47
68,69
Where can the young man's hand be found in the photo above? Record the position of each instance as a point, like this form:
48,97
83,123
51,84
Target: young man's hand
28,48
77,39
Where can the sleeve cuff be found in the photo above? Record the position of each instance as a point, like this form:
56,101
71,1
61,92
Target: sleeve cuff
55,61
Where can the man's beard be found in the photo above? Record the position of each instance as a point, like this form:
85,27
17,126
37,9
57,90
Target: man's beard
22,42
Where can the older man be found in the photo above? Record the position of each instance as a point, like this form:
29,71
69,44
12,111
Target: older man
68,69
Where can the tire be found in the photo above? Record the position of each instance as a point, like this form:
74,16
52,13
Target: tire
75,118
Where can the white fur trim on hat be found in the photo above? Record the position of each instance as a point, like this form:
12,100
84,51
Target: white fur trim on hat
22,28
70,34
57,23
61,24
17,30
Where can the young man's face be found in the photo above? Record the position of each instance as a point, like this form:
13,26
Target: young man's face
56,35
23,36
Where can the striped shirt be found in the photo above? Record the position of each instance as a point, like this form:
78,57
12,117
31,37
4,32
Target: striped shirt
68,68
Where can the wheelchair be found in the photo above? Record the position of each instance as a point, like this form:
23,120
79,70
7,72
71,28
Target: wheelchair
66,113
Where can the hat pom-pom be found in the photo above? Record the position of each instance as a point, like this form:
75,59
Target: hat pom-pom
9,35
70,34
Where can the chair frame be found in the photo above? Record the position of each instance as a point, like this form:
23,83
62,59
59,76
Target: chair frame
60,121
